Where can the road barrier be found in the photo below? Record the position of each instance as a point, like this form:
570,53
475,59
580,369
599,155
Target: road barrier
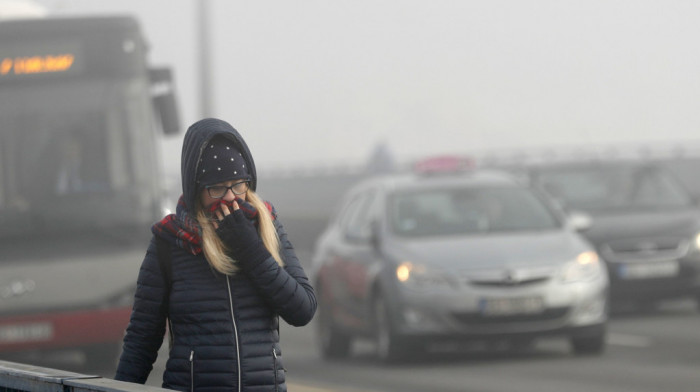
17,377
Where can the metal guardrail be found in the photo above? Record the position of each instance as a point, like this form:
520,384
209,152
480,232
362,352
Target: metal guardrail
17,377
674,149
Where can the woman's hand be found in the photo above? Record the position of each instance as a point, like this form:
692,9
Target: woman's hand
224,211
240,235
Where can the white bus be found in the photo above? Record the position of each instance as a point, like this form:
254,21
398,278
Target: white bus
81,115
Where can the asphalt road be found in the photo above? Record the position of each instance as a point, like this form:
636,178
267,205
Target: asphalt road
652,351
657,351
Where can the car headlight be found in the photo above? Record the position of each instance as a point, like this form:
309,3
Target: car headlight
418,276
696,241
586,266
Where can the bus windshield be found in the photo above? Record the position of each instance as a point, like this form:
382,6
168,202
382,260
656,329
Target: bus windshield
78,147
63,172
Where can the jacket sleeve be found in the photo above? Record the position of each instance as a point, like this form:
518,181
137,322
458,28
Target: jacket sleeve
146,329
287,288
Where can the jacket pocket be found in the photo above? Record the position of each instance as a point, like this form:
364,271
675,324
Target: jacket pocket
192,371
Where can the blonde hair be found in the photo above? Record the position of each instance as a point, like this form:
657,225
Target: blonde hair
216,252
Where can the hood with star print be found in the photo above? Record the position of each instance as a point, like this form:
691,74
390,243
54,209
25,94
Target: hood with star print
196,139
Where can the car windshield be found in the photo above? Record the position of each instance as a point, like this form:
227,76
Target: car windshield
454,211
609,188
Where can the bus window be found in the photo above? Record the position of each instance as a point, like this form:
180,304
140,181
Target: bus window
81,164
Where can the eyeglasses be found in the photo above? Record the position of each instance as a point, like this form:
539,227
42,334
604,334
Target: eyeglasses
219,191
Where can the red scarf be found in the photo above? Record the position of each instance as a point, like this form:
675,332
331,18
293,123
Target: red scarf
184,231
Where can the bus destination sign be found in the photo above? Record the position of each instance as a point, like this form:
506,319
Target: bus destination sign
36,64
28,63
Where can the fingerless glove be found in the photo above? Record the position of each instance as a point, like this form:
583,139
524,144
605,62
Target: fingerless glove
242,238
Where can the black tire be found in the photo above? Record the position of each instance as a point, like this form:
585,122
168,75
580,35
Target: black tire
390,347
333,343
588,345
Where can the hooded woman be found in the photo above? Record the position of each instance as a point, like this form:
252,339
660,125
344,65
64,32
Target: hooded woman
231,273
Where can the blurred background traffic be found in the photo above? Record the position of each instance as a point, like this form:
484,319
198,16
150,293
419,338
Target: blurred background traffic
466,182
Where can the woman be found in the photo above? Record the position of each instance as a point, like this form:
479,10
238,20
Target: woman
232,272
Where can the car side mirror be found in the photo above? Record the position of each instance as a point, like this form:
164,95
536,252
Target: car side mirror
579,221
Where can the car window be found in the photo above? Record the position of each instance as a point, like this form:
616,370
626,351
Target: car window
613,188
355,222
348,210
468,211
685,170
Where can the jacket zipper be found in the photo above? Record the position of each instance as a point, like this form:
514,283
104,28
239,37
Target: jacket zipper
192,370
274,367
235,331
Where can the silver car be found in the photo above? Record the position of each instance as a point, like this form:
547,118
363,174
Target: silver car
425,258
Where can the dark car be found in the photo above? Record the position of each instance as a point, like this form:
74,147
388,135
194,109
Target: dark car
415,259
646,225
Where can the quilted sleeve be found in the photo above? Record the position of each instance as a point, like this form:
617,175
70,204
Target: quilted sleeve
146,329
287,288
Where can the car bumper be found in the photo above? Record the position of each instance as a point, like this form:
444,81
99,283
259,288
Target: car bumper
64,329
572,308
658,280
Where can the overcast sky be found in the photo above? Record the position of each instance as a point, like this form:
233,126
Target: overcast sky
308,82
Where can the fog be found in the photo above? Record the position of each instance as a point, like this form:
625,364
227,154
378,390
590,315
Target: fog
314,83
315,86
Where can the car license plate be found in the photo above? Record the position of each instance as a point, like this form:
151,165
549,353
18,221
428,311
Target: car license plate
511,306
659,269
23,333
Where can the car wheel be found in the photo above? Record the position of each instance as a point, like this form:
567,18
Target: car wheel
588,345
333,343
390,347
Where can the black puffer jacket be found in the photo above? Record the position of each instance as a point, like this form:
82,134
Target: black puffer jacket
225,329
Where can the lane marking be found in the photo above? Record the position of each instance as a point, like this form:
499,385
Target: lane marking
296,386
306,388
618,339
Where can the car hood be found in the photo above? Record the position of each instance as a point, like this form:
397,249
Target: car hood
493,250
47,277
684,222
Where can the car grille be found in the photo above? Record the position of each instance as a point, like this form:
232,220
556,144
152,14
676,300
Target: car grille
508,283
479,319
647,249
508,277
